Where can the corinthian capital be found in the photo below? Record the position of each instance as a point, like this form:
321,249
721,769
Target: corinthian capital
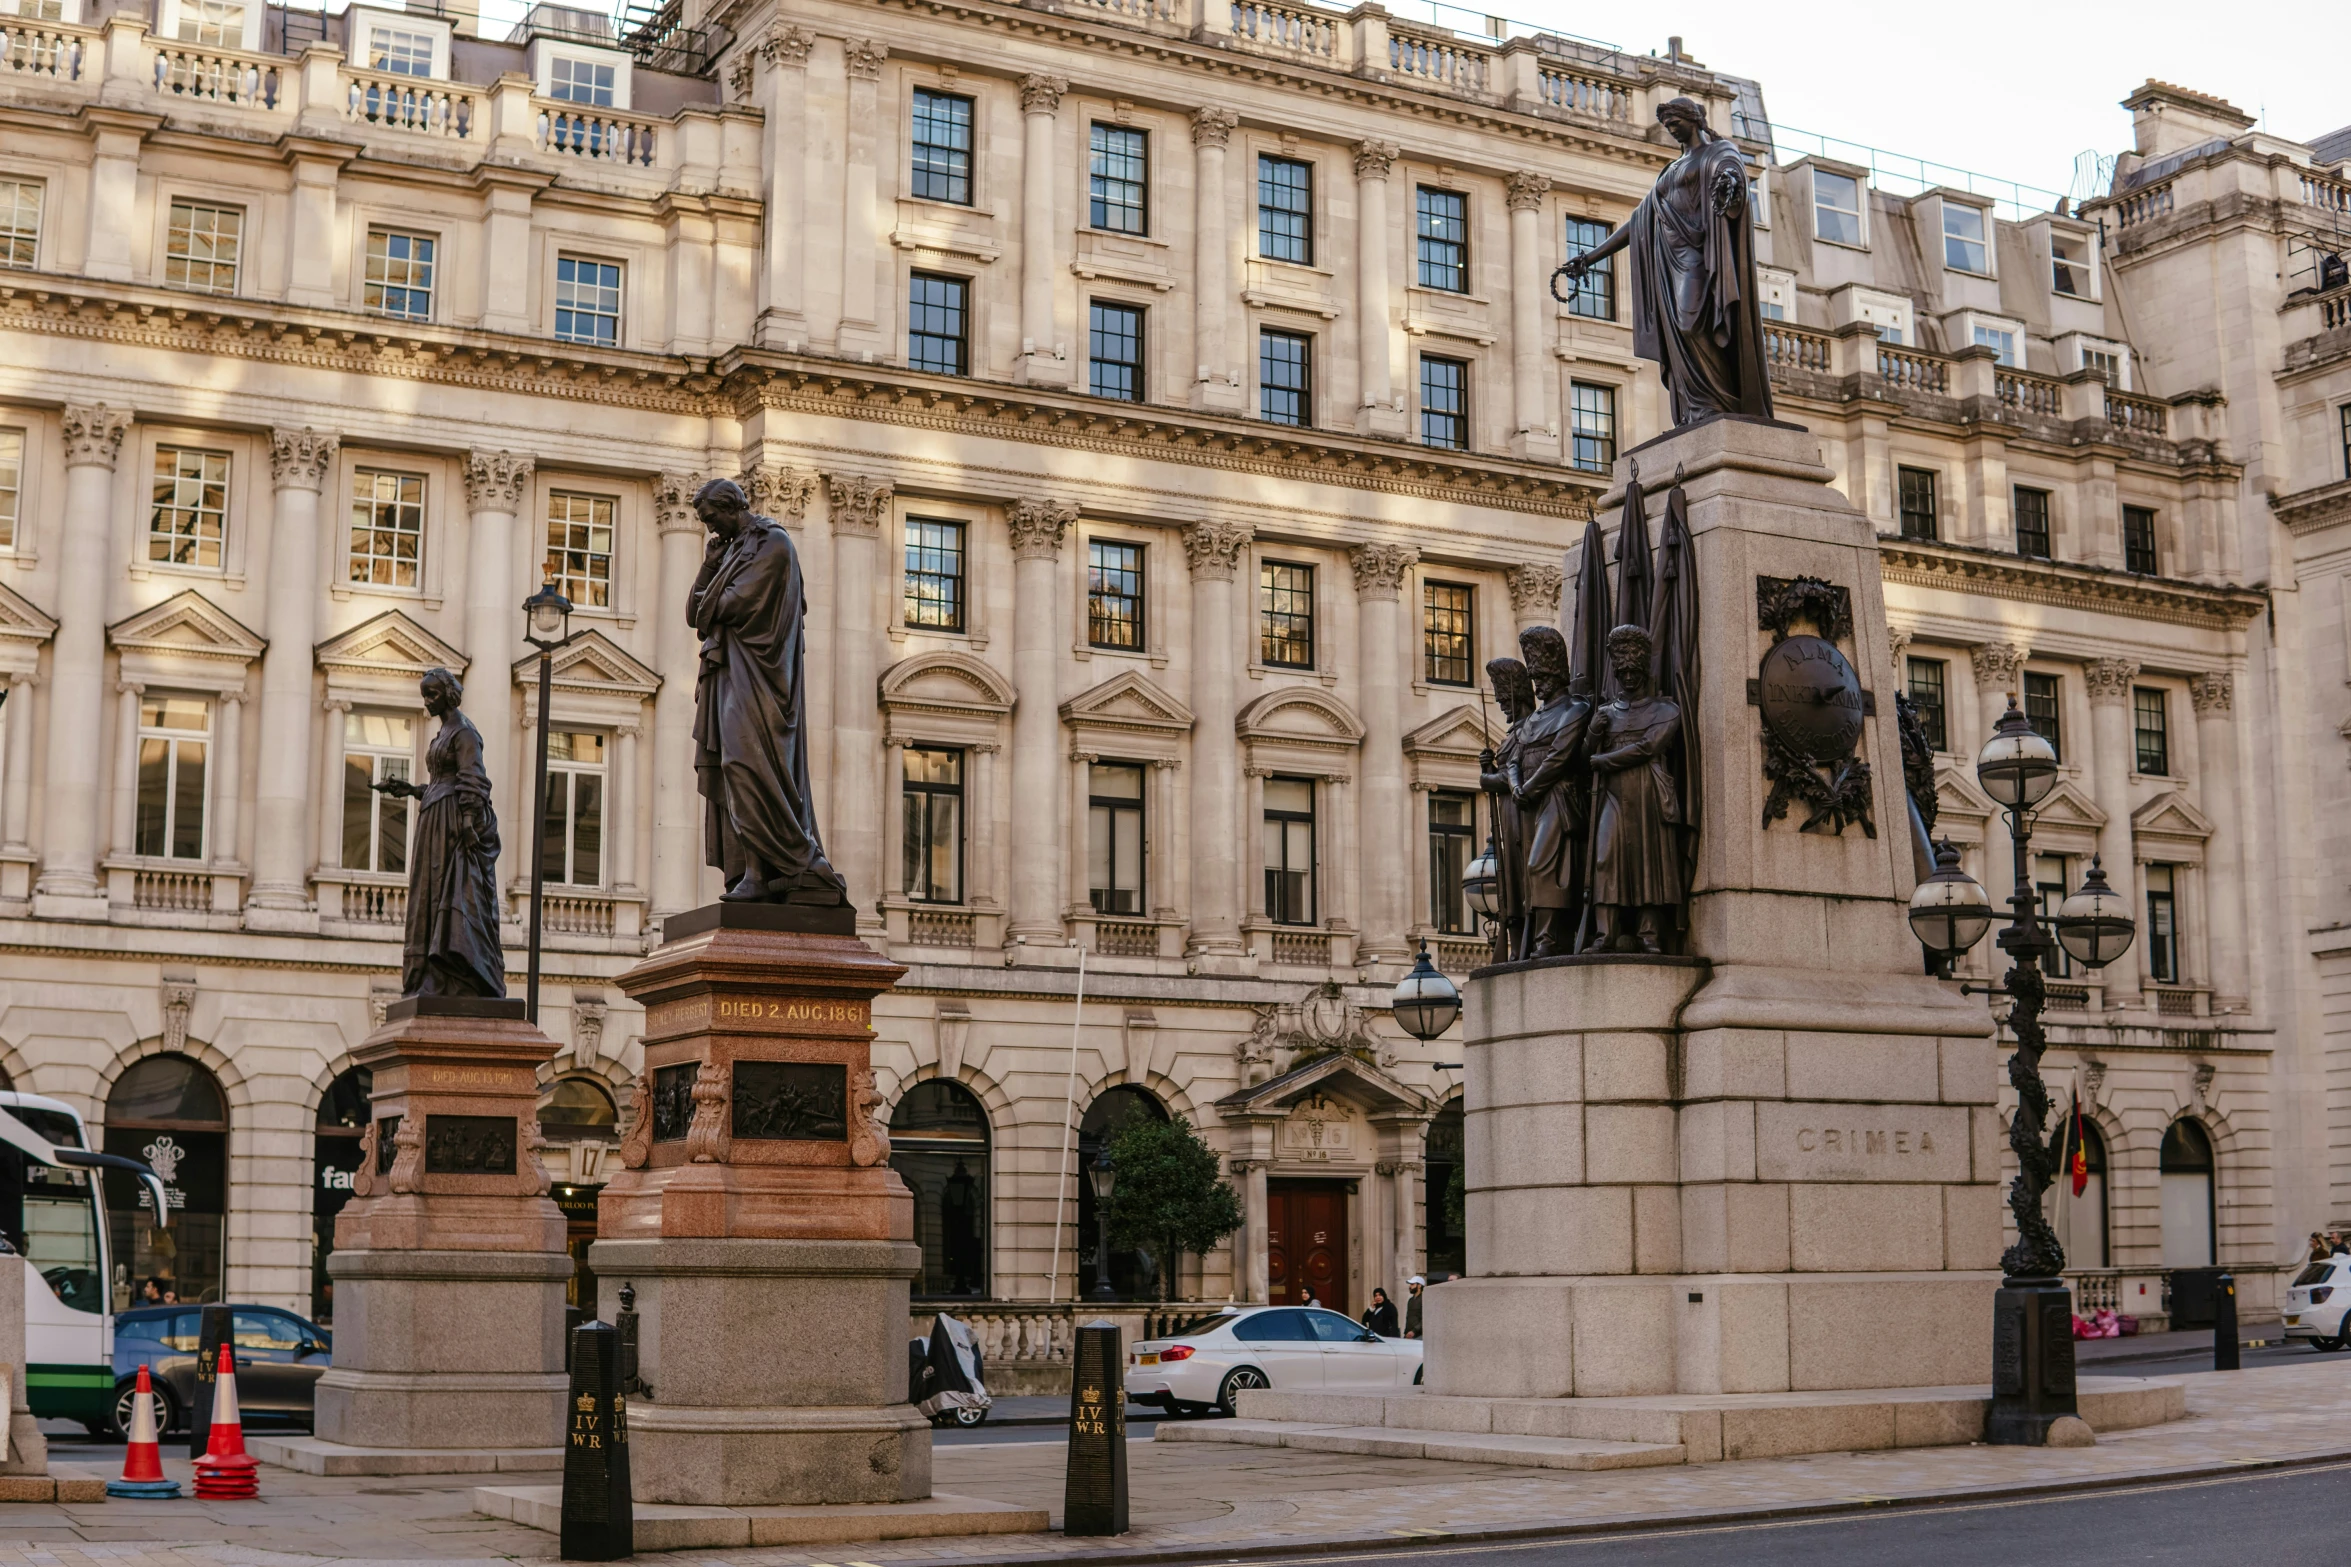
673,502
786,46
496,481
778,491
1534,591
1372,159
2215,691
864,57
1038,527
1041,94
1996,666
859,503
1380,568
1526,190
93,434
1213,127
2109,679
300,458
1214,548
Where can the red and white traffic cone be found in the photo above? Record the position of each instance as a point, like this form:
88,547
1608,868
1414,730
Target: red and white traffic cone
226,1473
142,1465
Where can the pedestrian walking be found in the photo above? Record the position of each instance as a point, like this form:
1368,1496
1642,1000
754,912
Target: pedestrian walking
1380,1316
1413,1286
2319,1251
2335,1244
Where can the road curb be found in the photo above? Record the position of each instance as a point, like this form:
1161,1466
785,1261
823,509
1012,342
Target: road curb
1637,1523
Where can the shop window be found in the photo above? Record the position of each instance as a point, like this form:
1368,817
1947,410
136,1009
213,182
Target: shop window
939,1143
2185,1169
342,1122
169,1111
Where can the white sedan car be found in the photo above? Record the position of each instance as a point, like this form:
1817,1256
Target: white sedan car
1294,1348
2316,1302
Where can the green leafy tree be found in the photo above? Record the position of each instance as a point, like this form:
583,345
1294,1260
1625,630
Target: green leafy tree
1168,1196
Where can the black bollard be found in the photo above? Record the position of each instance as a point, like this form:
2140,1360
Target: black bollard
2224,1323
599,1521
1094,1498
219,1328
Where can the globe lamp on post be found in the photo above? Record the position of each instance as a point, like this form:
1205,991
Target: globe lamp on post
1426,1002
1949,912
547,627
1481,886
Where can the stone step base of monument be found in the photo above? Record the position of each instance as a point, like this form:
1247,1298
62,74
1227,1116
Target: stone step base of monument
1613,1433
664,1528
63,1483
316,1456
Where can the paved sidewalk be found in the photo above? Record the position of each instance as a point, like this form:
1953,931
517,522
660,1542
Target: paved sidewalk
1216,1503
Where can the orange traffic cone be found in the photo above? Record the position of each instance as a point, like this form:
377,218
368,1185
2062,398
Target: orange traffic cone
142,1465
225,1473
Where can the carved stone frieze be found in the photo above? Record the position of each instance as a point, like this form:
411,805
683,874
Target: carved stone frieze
780,492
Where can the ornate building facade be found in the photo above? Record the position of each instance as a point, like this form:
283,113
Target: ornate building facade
1172,416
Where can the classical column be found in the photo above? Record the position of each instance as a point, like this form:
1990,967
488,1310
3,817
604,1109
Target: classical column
2215,699
1218,384
853,828
621,808
1215,551
496,484
981,886
123,840
1041,358
1534,434
1999,675
1408,1258
1080,782
77,654
16,789
1249,1247
1534,596
2111,763
677,805
1385,831
1252,826
1037,528
225,777
784,49
861,221
330,783
299,462
1376,413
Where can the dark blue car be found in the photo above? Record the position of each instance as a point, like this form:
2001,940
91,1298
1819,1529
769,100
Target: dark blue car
279,1359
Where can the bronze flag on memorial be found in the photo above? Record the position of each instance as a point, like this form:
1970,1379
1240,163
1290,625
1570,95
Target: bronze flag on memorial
1673,625
1587,636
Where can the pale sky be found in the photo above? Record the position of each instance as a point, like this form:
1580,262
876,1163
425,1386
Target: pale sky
2003,87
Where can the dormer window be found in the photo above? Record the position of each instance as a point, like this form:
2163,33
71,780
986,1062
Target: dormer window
583,74
397,43
580,81
1964,247
398,52
1836,207
2069,264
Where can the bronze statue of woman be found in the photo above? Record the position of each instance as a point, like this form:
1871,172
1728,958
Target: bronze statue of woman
452,946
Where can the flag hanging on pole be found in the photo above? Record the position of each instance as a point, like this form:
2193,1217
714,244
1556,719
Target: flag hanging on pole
2080,1167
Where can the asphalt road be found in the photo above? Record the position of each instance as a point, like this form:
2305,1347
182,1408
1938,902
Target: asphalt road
2283,1519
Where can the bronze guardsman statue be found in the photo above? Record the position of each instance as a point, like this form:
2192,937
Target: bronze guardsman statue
1691,243
1640,874
452,946
1552,793
749,605
1497,770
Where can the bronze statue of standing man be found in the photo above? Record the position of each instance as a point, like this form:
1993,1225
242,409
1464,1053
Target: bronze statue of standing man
1498,772
1691,242
749,606
1553,796
1640,874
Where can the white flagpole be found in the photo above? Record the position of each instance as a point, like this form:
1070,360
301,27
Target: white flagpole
1068,1131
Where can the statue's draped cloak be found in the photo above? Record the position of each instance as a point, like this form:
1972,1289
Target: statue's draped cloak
750,720
1694,312
452,946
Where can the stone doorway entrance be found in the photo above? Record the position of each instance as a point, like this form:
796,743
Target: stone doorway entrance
1306,1243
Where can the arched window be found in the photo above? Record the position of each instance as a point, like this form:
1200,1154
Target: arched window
1446,1235
577,1109
2080,1222
939,1147
2186,1166
169,1111
1134,1273
575,1112
342,1121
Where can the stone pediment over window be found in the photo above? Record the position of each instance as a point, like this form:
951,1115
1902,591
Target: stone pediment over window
1299,730
2068,822
1342,1076
1961,809
2169,829
1128,715
382,658
1444,751
946,697
594,679
186,640
23,629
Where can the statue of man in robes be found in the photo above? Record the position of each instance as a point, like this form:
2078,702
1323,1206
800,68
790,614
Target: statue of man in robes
1691,243
1640,876
749,606
1553,794
1498,772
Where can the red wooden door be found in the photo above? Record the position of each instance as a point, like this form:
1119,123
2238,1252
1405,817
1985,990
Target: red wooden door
1306,1243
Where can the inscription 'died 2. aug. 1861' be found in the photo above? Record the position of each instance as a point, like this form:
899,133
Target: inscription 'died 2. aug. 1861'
1858,1142
756,1014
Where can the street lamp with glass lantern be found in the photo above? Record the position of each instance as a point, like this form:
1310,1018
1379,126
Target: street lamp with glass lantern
1426,1002
1481,887
2032,1313
1104,1178
547,627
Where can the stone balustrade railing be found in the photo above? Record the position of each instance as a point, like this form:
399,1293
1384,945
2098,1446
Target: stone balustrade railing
2328,194
212,75
43,49
1134,13
1787,347
2138,415
1913,371
1439,60
2029,393
404,103
1584,92
1292,30
2144,206
571,130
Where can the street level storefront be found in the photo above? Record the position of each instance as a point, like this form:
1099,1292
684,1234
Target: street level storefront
168,1110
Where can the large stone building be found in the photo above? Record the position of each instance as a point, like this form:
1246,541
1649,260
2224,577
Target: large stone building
1172,417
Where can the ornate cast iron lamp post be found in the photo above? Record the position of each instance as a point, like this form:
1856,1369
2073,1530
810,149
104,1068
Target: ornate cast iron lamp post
547,627
1426,1002
1104,1176
2032,1314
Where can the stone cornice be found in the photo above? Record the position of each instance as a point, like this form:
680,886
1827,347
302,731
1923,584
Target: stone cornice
2307,511
1995,575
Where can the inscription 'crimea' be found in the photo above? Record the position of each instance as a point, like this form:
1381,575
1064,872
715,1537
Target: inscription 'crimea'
1825,1141
1869,1142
